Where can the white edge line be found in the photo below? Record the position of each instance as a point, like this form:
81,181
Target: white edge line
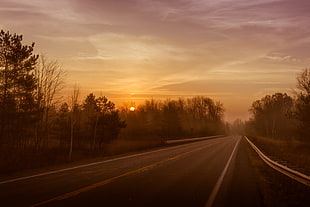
218,184
173,141
86,165
281,168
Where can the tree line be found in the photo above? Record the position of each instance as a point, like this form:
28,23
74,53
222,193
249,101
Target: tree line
172,119
38,128
283,116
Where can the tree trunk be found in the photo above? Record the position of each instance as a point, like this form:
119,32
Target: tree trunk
71,140
95,133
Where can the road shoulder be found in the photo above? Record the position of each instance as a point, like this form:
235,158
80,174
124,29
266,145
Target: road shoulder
277,189
239,187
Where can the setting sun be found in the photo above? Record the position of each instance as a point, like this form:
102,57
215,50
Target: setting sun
132,108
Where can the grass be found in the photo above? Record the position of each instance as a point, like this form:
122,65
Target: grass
294,153
31,159
277,189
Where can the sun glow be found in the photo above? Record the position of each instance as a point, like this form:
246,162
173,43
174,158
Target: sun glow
132,108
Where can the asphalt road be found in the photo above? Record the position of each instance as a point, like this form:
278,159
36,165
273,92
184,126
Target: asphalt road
213,172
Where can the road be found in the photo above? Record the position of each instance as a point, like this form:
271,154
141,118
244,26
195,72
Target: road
214,172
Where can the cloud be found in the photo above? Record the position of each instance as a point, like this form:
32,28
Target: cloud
280,57
170,47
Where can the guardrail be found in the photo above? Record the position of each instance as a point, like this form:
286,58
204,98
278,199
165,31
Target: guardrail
298,176
174,141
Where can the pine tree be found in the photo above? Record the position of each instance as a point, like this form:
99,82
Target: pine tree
17,89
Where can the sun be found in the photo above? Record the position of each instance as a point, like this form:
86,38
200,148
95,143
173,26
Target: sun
132,108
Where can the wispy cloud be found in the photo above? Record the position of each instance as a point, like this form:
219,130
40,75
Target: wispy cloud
170,47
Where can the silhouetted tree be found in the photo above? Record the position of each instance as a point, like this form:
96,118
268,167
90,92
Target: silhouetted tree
303,102
103,120
62,125
272,115
74,118
197,116
49,78
207,115
92,113
149,118
171,123
17,89
109,121
112,124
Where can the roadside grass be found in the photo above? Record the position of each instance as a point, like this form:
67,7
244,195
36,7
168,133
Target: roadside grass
292,153
53,156
277,189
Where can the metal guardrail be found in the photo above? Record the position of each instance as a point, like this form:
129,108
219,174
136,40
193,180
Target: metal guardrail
298,176
174,141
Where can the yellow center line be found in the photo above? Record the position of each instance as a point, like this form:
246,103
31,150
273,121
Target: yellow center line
104,182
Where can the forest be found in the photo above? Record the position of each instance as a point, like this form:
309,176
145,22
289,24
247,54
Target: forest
39,128
280,125
281,116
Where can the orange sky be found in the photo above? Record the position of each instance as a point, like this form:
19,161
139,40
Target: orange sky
234,51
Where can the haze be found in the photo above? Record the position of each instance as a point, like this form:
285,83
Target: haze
234,51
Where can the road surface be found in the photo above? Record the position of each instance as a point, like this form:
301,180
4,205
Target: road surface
214,172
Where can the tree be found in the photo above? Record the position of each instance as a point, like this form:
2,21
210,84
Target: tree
49,78
109,122
92,112
160,120
303,82
272,115
74,116
62,125
303,102
17,88
171,123
207,115
112,125
103,120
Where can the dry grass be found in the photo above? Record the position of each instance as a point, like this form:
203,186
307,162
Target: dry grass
293,153
31,159
277,189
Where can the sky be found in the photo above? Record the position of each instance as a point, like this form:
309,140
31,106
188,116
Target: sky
234,51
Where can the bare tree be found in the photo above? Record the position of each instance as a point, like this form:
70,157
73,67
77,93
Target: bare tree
50,78
272,115
303,102
303,82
